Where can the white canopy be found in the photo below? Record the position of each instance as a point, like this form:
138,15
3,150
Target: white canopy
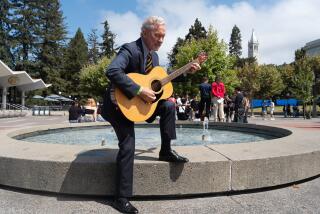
21,79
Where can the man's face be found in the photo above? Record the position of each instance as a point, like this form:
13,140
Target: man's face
153,38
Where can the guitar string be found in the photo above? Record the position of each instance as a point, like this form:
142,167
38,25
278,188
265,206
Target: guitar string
177,72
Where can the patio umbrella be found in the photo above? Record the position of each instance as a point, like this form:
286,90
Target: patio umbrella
54,96
37,97
51,99
65,99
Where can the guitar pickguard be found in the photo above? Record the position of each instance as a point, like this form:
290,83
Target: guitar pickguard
158,96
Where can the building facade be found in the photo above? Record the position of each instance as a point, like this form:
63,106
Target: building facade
312,48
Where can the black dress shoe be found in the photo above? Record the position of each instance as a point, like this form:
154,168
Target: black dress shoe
124,206
172,156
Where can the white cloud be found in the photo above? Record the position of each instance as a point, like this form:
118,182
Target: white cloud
281,28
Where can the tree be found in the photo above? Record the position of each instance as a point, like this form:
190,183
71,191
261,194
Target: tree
76,57
249,79
299,54
25,25
174,51
270,81
5,27
93,45
240,62
52,37
286,71
218,61
315,67
93,81
230,79
235,48
302,82
196,31
108,38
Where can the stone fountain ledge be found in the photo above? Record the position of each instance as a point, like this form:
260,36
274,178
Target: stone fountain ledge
90,170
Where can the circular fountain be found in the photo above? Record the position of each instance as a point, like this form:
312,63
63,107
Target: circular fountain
288,156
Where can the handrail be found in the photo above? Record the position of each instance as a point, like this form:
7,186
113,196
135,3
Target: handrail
15,107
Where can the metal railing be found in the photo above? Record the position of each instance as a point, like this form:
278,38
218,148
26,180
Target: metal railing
15,107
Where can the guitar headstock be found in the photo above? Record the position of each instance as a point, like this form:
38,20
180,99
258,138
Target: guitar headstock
202,57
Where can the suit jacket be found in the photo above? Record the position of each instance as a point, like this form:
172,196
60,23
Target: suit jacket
130,59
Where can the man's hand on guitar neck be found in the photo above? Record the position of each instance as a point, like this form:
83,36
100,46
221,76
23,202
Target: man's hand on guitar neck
147,95
194,68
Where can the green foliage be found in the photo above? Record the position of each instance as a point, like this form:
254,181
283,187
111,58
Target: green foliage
94,46
315,67
174,51
299,54
76,57
5,26
235,48
249,79
218,61
107,44
230,79
26,27
270,81
93,81
196,31
303,79
240,62
286,72
50,51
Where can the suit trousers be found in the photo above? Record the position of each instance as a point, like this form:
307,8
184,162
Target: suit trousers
205,103
124,130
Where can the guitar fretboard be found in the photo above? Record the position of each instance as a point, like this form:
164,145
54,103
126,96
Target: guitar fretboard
178,72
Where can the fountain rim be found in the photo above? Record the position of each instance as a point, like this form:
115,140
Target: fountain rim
227,167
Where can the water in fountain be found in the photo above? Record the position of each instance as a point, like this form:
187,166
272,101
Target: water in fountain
206,136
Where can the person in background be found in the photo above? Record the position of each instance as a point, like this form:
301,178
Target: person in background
295,110
238,117
194,105
271,110
91,109
218,91
75,112
228,108
246,107
264,110
205,98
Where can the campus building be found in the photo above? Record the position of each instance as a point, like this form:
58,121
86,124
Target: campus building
312,48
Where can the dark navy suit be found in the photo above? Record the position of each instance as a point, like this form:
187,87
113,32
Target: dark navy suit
130,59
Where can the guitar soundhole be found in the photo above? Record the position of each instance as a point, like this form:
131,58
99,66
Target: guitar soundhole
156,85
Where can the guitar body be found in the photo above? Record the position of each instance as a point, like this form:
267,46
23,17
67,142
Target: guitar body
136,109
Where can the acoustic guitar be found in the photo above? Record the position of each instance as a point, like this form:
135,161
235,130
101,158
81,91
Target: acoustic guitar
136,109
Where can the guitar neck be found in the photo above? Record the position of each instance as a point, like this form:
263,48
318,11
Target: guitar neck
178,72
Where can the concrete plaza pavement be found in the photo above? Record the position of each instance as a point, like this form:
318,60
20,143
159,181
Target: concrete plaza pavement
299,198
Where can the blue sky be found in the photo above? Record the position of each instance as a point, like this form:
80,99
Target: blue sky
281,26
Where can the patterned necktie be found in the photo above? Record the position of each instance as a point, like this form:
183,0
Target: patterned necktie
149,63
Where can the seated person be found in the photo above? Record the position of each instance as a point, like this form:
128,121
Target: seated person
74,113
183,111
90,110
